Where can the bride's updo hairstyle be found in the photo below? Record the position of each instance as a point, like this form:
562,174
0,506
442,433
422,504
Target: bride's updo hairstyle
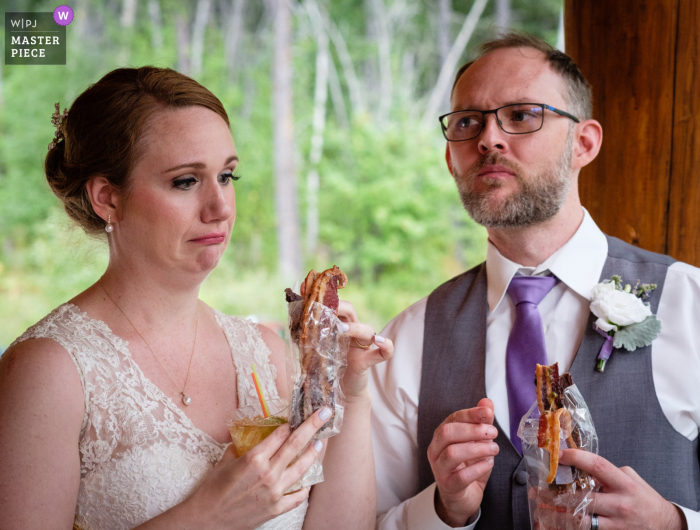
103,132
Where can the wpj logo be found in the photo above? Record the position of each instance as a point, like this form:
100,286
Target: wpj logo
36,38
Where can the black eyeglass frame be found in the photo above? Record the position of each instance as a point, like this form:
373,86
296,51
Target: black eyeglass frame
495,111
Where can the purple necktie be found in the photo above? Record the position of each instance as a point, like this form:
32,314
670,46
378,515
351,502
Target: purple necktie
525,347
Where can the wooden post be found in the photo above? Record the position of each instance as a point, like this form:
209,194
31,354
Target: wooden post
642,58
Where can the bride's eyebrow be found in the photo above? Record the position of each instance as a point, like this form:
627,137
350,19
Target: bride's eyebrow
199,165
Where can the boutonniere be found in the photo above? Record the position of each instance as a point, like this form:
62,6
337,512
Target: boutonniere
624,316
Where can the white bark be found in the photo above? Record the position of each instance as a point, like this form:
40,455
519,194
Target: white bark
383,37
318,125
357,100
198,31
447,71
445,37
288,231
156,20
128,13
504,15
183,43
233,33
341,112
561,41
444,28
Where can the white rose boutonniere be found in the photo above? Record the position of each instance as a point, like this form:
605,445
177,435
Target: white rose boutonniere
624,317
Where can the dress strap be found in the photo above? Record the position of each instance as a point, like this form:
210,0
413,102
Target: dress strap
248,347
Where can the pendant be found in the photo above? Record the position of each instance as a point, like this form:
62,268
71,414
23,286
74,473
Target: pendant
186,399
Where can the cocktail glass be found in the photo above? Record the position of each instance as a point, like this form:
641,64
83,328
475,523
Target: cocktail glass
249,427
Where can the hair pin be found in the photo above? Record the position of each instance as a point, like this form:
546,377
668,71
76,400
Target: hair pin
57,119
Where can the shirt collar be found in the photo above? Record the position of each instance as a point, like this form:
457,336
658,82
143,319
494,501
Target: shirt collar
578,263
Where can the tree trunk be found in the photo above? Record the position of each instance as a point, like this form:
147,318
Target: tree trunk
156,24
504,14
288,232
445,79
382,34
183,43
445,37
357,100
319,126
341,112
233,35
128,13
444,28
561,40
198,31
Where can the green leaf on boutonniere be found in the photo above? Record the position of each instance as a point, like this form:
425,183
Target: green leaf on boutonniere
638,335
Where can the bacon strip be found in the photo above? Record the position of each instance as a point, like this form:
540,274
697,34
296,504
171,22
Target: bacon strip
317,388
553,416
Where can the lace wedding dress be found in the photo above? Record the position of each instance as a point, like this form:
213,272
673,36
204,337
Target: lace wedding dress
139,453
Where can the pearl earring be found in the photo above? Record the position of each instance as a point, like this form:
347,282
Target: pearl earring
109,226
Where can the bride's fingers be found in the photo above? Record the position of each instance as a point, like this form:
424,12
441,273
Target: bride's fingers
364,333
360,360
346,312
298,440
291,501
299,467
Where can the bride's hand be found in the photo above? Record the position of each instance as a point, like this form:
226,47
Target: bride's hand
360,360
246,492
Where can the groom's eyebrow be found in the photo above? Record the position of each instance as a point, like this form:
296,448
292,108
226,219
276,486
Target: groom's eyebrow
199,165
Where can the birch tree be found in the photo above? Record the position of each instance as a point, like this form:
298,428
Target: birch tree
504,14
198,32
286,203
156,20
449,66
234,33
318,124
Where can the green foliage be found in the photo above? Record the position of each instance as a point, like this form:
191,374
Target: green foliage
389,212
638,335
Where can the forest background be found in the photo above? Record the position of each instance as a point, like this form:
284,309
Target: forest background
333,106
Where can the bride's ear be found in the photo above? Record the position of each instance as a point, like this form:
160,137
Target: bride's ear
104,199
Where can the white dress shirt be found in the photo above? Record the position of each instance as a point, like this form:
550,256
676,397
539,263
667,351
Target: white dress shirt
565,310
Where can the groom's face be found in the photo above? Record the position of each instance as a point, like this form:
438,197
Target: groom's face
508,180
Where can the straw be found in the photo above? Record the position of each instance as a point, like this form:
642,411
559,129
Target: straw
258,389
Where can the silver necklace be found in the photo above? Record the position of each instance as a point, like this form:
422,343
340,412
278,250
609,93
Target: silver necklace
187,400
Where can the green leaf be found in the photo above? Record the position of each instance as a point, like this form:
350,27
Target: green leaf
638,335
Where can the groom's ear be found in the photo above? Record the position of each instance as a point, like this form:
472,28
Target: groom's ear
104,199
588,138
448,159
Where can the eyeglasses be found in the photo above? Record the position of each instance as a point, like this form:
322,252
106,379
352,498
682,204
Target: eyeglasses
520,118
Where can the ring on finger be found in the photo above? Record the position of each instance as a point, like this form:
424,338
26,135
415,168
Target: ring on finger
594,522
363,346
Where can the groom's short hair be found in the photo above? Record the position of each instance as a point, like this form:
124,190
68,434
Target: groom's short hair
577,93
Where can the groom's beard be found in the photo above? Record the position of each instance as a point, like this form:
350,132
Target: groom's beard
537,199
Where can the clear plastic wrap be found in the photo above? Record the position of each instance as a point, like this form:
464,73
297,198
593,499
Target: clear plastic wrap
319,352
566,503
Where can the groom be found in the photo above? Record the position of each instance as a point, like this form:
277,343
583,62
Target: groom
447,406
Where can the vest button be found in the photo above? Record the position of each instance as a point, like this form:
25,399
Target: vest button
521,477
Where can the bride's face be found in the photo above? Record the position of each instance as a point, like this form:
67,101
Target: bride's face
181,207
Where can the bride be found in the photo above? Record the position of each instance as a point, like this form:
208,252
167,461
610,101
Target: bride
113,407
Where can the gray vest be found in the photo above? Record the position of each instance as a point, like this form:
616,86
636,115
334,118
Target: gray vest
632,429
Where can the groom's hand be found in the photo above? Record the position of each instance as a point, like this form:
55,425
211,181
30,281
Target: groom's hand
626,500
461,456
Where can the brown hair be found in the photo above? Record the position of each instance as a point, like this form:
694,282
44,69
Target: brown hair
577,93
103,130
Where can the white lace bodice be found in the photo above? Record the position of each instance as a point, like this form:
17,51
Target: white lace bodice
139,453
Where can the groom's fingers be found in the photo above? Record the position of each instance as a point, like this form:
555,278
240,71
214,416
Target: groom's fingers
613,478
455,432
469,453
462,478
481,414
